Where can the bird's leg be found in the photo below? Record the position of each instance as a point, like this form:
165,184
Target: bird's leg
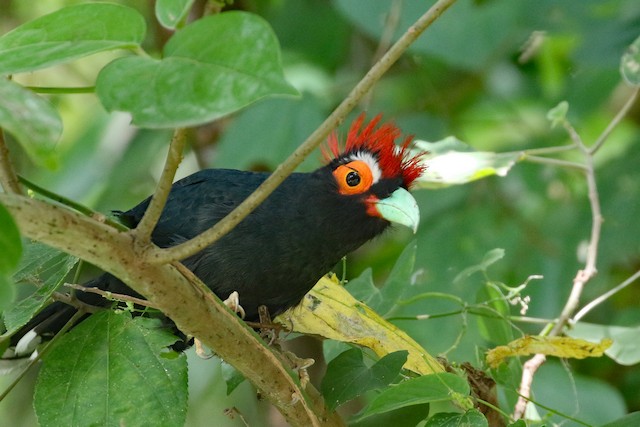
233,302
268,334
299,365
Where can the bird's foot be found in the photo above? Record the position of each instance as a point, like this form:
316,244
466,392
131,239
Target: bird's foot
269,334
233,302
299,365
201,351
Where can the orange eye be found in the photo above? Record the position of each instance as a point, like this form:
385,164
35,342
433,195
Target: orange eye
353,178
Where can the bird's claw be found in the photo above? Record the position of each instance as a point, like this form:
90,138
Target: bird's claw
268,334
201,351
233,302
300,365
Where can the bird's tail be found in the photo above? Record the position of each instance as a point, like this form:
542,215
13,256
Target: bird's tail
44,326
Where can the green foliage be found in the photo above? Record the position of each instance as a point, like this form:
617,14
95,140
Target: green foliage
113,354
11,248
44,268
68,34
487,72
471,418
218,73
33,121
348,377
425,389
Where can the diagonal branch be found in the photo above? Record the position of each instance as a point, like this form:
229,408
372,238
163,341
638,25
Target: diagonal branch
159,198
195,245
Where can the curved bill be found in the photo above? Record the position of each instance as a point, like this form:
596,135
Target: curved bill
400,208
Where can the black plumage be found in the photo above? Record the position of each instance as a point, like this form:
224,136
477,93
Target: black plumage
277,253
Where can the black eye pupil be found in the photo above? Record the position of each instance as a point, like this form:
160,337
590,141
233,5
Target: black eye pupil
353,179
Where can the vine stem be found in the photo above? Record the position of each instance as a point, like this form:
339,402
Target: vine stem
157,255
590,267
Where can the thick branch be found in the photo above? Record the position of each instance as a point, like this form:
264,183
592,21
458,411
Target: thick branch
195,245
194,309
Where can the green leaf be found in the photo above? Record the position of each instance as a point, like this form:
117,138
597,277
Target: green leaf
630,64
490,258
70,33
348,377
231,376
629,420
519,423
111,370
452,162
626,343
471,418
493,314
7,293
384,299
41,266
170,13
425,389
211,68
10,244
32,120
558,114
409,416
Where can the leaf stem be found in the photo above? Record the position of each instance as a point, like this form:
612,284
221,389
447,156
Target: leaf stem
616,120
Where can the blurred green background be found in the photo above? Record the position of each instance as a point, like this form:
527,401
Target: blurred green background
487,72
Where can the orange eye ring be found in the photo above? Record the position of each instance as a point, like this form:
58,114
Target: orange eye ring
353,178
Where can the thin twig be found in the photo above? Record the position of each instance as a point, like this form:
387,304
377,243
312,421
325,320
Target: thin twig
529,369
62,90
616,120
599,300
156,205
111,296
195,245
390,26
554,162
8,177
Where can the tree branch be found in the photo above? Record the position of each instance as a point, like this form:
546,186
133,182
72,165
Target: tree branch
159,198
8,177
171,292
195,245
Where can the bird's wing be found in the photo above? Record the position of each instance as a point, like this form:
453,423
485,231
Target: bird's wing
197,202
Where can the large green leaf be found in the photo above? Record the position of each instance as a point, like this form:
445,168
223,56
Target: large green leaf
68,34
211,68
629,420
424,389
112,370
32,120
348,377
45,267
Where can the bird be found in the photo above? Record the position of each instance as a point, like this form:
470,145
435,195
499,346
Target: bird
298,234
